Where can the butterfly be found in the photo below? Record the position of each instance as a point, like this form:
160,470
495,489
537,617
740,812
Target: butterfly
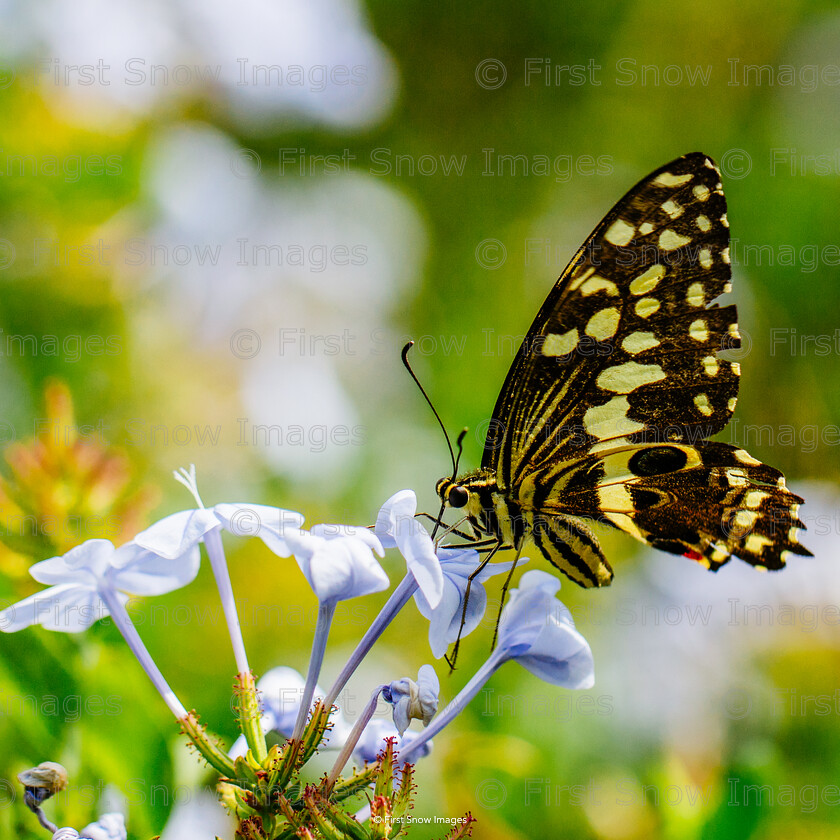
606,411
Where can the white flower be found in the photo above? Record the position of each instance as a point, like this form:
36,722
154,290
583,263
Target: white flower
414,700
457,564
174,534
373,740
538,632
107,827
73,602
396,527
338,565
281,691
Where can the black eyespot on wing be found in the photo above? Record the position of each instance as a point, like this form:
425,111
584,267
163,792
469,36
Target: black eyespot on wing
458,496
644,499
658,460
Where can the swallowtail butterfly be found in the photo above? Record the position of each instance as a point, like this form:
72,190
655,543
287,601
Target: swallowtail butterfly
607,409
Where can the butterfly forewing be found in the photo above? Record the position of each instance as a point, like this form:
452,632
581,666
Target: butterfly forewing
626,344
607,408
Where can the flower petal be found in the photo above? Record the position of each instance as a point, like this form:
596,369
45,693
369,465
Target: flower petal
67,608
142,572
268,523
176,534
84,564
401,505
330,532
337,569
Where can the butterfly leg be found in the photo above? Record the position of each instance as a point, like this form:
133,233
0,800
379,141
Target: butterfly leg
478,569
504,596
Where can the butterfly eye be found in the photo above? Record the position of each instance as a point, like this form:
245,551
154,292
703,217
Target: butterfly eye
458,496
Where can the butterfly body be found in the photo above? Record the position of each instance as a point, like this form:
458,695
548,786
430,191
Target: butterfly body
607,409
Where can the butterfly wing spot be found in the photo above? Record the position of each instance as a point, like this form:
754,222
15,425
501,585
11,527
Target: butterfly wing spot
703,223
733,332
754,498
672,209
645,228
670,240
724,255
610,420
733,401
710,366
703,406
701,192
725,222
620,233
638,342
699,330
625,378
735,367
705,258
666,179
648,280
696,295
560,345
646,307
598,284
603,324
657,460
745,458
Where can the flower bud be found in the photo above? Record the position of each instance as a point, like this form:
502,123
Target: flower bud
43,781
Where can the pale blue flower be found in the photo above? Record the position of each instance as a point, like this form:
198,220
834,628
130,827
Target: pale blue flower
281,691
535,630
538,631
397,527
172,535
338,564
80,577
107,827
374,736
457,564
414,700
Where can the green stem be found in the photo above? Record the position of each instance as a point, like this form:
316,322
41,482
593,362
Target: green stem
211,753
249,715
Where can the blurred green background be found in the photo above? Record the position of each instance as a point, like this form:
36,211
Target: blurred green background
194,248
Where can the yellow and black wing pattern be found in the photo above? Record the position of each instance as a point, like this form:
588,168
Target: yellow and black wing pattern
608,407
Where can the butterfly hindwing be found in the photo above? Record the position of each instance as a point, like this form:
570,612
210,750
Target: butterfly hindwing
708,501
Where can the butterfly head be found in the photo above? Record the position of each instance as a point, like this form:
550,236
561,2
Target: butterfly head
452,493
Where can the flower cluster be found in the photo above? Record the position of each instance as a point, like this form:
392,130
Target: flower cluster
260,785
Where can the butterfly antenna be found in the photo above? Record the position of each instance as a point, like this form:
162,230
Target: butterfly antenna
434,411
460,444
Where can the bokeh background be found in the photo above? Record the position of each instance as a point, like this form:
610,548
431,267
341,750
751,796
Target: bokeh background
217,218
